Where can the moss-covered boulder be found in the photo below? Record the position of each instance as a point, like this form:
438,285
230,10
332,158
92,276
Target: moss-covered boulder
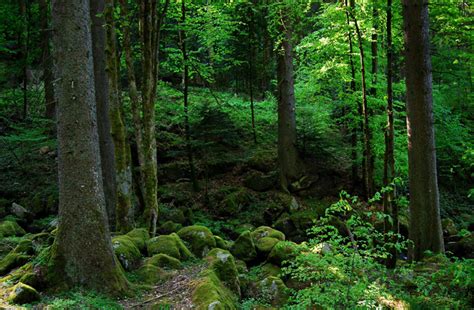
265,231
169,227
11,228
164,261
283,251
241,266
17,257
171,245
222,263
151,274
260,182
270,270
449,228
176,215
139,236
244,247
265,245
126,251
199,239
222,244
274,291
23,294
211,294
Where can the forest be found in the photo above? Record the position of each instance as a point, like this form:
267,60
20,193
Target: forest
236,154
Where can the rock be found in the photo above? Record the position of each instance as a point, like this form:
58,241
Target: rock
20,211
175,215
164,261
270,270
151,274
286,226
23,294
265,231
211,294
449,228
222,263
17,257
11,228
170,245
126,251
139,237
265,245
244,247
263,160
241,266
283,251
199,238
44,150
169,227
274,290
222,244
235,201
260,182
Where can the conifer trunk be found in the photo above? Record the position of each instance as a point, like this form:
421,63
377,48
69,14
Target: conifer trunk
47,60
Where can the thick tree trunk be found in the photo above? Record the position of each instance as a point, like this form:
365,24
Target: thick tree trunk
47,60
425,224
123,165
287,152
106,143
389,206
82,253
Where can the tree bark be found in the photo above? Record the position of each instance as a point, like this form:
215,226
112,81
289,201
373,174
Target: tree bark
107,155
123,165
25,12
374,47
82,253
287,152
47,61
250,75
425,224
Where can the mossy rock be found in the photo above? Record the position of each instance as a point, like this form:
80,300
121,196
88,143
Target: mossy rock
139,236
211,294
270,270
17,257
283,251
164,261
243,228
171,245
169,227
241,266
199,238
449,228
126,251
244,247
260,182
263,160
31,278
265,231
222,263
234,202
175,215
151,274
265,245
273,290
10,228
23,294
222,244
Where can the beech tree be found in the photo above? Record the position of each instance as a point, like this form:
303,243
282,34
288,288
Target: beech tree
425,223
82,253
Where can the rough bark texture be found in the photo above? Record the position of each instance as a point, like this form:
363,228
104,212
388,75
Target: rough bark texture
374,47
106,144
47,60
389,207
287,152
123,166
82,253
425,224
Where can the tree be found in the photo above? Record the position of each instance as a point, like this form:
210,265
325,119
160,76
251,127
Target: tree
425,224
123,169
47,60
107,156
82,253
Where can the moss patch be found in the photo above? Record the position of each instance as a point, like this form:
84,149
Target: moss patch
139,236
11,228
126,251
265,245
210,293
222,263
199,238
164,261
23,294
171,245
265,231
244,247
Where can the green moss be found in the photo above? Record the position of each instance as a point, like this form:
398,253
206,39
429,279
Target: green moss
282,251
126,251
171,245
23,294
273,290
169,227
222,244
241,266
164,261
150,274
222,263
199,238
265,231
210,293
139,236
11,228
17,257
265,245
268,270
244,247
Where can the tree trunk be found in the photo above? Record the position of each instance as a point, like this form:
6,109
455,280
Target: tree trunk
389,206
107,156
123,166
287,152
250,75
82,253
374,48
47,60
25,12
425,224
189,149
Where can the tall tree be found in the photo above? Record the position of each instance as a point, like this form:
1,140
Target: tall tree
82,253
287,152
374,46
106,143
123,165
47,60
425,224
